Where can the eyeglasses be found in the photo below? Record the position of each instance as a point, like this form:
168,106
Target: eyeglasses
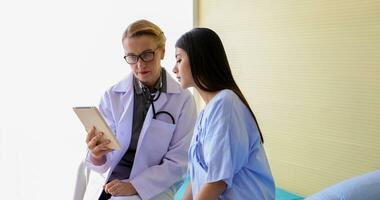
146,56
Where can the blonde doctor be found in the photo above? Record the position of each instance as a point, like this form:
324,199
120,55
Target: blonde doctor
153,119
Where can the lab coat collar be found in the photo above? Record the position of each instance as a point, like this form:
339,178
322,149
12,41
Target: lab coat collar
126,85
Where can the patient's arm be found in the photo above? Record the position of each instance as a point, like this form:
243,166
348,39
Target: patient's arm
188,193
210,191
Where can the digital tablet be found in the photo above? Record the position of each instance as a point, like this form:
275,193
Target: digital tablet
91,117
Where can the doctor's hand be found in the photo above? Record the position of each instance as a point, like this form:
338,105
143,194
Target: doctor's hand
98,149
119,188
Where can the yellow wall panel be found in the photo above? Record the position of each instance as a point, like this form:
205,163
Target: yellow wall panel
311,72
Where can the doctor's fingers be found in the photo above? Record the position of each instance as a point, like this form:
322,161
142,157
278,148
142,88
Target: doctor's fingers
100,153
94,141
98,145
101,149
90,134
114,187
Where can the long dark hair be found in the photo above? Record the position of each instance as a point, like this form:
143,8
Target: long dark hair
209,64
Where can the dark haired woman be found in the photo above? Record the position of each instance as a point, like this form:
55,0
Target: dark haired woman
226,156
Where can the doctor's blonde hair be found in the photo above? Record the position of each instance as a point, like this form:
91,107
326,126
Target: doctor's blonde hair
145,27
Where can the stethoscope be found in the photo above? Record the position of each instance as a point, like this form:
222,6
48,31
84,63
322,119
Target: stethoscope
152,97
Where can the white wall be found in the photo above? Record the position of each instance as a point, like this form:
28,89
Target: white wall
310,71
55,55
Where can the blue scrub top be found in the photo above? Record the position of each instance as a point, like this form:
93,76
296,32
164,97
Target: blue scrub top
226,146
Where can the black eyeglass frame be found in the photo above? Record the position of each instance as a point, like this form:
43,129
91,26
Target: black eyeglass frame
141,55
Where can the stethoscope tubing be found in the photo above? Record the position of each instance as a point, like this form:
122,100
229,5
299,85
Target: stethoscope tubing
152,99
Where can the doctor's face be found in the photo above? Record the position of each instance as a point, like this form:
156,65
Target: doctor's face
182,69
144,57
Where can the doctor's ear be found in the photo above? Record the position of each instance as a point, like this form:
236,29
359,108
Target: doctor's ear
162,53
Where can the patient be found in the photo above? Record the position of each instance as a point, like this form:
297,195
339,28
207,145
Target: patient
226,157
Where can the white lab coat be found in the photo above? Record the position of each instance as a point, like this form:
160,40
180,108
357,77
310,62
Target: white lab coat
161,154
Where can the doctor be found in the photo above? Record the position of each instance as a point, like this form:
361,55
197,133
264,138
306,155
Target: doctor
151,116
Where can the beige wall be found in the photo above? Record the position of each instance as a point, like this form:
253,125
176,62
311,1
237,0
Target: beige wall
311,72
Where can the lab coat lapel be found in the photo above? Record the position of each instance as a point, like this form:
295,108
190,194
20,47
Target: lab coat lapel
172,87
124,128
158,106
125,123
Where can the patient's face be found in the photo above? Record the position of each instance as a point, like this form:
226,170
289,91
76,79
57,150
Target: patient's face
182,69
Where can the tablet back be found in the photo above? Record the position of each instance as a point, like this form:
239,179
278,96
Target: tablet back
91,117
